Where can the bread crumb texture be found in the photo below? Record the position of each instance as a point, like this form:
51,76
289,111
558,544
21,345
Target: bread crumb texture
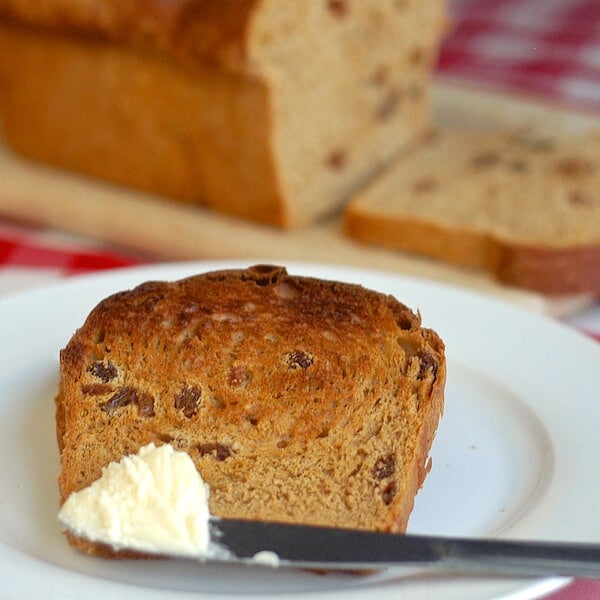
298,399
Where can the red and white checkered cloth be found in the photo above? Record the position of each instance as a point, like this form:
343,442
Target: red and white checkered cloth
30,248
548,49
30,257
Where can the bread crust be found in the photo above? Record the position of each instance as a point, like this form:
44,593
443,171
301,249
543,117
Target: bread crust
552,271
193,31
548,270
298,399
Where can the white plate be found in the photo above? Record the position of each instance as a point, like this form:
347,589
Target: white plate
516,454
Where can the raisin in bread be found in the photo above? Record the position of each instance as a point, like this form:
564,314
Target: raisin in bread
270,110
524,206
298,399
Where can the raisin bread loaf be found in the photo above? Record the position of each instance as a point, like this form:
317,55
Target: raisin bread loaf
267,109
298,399
524,206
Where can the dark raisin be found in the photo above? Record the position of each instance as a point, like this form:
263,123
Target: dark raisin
145,404
301,359
124,397
384,467
575,167
238,377
579,199
423,185
337,160
283,442
431,136
417,56
188,401
127,396
388,104
485,159
517,166
427,362
103,371
219,452
388,492
96,389
380,76
338,7
540,145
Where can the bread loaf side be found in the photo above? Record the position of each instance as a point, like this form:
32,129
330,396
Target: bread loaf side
270,110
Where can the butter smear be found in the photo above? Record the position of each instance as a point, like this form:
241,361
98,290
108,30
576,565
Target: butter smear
154,501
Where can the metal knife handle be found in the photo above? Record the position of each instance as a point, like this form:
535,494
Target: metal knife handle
331,548
520,558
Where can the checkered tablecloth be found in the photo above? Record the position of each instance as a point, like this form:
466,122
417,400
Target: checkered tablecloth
549,49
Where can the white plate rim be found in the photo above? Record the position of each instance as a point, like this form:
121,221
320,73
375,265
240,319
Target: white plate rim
119,278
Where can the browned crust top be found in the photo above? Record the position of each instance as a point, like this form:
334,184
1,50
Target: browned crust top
209,31
293,336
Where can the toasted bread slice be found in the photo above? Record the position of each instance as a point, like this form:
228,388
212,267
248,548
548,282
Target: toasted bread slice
299,400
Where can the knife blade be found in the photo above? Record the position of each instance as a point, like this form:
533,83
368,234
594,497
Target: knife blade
310,547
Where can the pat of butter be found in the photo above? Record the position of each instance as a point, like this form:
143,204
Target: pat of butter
154,501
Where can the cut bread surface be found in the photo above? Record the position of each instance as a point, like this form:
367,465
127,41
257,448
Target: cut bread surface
298,399
522,205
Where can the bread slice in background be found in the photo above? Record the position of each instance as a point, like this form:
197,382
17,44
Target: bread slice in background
523,205
271,110
299,400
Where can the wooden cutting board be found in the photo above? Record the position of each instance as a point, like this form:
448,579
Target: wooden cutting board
168,231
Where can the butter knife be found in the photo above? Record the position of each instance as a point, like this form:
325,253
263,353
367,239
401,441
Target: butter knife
309,547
